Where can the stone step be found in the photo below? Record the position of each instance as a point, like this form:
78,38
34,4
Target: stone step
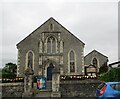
49,85
43,94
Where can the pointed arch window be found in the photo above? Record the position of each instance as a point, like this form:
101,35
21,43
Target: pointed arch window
72,61
30,59
51,45
94,62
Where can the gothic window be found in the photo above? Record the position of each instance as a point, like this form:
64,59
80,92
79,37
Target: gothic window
72,62
94,62
51,45
30,60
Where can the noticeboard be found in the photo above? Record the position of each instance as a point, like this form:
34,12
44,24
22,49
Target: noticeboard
41,83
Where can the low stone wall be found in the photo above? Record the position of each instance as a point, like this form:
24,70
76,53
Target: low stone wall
81,88
12,89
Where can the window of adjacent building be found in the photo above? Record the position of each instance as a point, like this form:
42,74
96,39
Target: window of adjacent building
94,62
51,45
72,62
30,59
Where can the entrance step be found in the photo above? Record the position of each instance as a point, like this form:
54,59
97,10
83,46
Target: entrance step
49,85
43,94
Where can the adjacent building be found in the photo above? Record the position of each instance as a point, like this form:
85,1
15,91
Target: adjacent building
96,59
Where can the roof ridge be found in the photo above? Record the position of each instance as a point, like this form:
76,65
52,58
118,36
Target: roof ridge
95,51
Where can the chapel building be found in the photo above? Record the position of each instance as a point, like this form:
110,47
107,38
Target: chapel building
51,47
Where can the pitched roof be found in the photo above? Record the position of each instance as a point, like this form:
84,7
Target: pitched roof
97,52
51,18
114,63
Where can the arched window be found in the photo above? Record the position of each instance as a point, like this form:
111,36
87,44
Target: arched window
51,45
72,62
30,59
94,62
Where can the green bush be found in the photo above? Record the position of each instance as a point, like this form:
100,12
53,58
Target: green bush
112,75
9,71
103,69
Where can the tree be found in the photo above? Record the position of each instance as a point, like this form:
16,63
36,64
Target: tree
103,68
9,71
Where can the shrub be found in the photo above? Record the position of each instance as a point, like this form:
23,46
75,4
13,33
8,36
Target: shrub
112,75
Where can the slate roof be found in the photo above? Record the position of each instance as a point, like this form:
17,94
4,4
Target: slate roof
97,52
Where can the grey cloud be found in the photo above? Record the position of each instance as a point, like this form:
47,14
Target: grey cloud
93,23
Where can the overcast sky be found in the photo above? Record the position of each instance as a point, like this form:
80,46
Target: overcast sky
95,23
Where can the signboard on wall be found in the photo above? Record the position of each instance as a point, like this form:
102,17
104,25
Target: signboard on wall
91,69
41,83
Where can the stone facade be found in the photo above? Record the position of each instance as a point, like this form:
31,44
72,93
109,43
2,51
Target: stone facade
51,43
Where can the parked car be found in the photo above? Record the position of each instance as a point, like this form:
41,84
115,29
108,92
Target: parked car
108,90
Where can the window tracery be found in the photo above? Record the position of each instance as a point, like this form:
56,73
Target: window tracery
51,45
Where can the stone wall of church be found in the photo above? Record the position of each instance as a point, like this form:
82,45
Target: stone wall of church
71,43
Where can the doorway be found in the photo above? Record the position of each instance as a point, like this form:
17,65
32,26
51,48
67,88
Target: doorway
49,71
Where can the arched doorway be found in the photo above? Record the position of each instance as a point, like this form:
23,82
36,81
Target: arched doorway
49,71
